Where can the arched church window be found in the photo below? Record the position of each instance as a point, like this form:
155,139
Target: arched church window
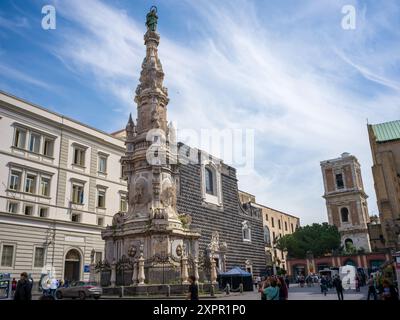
344,212
348,244
339,181
209,180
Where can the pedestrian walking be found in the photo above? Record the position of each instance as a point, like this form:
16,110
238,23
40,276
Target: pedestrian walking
66,284
263,285
283,290
324,285
337,283
389,292
53,286
371,288
302,281
23,290
358,283
13,287
287,281
193,293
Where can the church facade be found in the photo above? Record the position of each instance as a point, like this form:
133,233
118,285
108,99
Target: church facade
208,191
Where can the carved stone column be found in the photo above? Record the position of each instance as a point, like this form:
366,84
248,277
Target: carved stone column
92,275
98,277
223,262
135,273
213,271
113,273
185,273
196,269
141,276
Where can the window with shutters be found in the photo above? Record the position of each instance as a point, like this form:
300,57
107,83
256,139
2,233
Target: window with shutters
15,180
7,255
45,186
30,183
77,194
79,156
34,143
19,138
39,257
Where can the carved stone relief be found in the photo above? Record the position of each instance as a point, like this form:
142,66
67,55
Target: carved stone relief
139,197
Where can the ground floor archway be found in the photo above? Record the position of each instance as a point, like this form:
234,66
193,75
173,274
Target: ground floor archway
299,270
72,266
350,262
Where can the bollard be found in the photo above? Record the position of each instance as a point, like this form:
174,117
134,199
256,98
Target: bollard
212,291
227,289
168,290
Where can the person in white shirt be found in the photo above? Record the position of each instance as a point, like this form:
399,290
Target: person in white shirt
53,286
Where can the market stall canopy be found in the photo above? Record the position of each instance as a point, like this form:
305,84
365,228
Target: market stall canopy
236,271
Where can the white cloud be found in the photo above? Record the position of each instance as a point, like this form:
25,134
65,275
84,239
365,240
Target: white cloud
19,75
294,90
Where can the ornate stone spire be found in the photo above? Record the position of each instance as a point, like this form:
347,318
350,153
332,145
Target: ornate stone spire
151,96
152,220
130,126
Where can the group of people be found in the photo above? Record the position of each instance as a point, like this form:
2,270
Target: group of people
378,287
22,289
50,286
326,282
310,280
274,288
381,288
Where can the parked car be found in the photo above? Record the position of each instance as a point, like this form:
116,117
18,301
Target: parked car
81,290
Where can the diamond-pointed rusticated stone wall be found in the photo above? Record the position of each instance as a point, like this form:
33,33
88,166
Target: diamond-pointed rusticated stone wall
226,219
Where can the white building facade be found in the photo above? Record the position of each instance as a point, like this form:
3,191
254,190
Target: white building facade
60,185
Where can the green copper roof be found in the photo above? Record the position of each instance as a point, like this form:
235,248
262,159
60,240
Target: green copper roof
387,131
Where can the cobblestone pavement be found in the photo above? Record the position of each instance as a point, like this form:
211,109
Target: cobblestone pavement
295,293
306,293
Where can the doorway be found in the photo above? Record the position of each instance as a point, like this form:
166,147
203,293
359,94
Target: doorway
72,267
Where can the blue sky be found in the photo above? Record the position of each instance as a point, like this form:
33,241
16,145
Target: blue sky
286,69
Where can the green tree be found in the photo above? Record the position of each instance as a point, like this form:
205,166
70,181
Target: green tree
320,239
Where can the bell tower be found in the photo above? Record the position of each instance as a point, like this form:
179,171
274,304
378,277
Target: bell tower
346,200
